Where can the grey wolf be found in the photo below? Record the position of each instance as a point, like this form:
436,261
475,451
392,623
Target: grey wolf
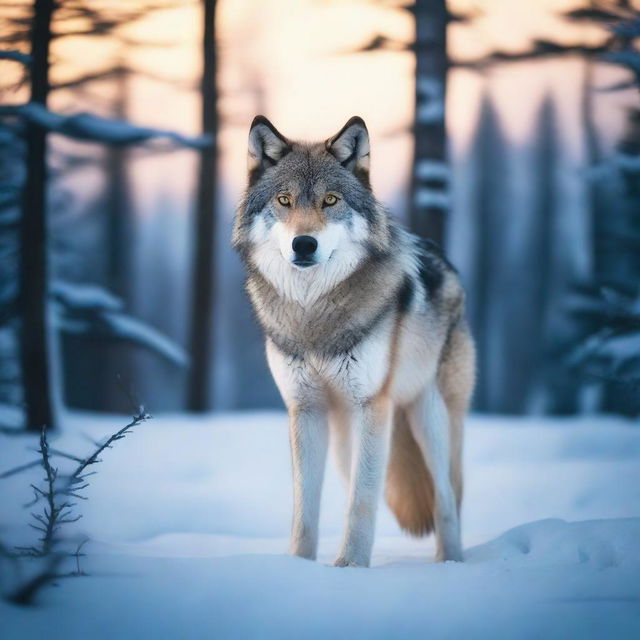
365,337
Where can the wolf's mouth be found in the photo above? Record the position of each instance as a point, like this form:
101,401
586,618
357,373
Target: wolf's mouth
303,264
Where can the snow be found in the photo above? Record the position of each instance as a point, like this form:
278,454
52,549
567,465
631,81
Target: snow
426,198
433,170
430,108
188,519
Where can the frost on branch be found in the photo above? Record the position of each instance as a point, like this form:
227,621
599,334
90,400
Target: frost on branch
93,128
89,309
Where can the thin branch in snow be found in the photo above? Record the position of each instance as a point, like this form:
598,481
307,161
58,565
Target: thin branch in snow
58,510
77,474
50,519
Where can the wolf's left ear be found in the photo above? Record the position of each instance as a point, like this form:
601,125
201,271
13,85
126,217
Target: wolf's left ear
350,146
266,147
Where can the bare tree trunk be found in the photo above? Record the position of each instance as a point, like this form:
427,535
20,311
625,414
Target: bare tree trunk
35,344
116,359
118,202
429,198
203,295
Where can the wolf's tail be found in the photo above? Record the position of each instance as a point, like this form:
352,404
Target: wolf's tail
409,490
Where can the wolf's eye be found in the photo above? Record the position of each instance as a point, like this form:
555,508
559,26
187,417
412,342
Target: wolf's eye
285,201
330,200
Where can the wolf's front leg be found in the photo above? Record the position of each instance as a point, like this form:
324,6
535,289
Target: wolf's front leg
308,433
372,429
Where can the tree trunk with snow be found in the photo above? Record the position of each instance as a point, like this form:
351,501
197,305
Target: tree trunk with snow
429,198
203,279
35,339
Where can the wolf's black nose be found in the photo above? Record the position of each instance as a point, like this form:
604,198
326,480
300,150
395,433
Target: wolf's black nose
304,246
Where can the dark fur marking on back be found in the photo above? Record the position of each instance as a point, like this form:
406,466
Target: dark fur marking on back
430,246
430,275
406,294
433,266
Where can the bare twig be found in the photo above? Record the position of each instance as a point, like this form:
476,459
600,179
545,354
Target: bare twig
78,476
77,555
58,511
50,518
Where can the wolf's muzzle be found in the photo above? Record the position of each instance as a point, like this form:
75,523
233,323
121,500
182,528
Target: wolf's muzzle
304,247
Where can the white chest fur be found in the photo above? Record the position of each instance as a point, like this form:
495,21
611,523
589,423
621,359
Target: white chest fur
358,375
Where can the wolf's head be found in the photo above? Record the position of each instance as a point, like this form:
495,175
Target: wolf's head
309,217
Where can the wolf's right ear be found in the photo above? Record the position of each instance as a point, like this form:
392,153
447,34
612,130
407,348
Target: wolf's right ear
266,147
350,147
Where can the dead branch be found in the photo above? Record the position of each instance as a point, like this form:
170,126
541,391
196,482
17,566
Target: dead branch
58,510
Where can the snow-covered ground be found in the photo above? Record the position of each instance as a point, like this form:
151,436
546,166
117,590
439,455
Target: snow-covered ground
188,520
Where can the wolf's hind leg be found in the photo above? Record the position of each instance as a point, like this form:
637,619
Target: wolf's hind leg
456,379
429,421
372,430
309,439
341,440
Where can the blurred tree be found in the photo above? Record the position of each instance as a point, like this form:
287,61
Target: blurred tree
542,383
522,245
77,309
11,179
203,275
430,199
609,349
488,148
554,390
33,294
118,205
110,213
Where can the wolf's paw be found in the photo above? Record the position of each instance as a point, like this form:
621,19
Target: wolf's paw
304,553
450,556
345,562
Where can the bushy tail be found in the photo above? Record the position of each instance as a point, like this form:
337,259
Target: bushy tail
409,490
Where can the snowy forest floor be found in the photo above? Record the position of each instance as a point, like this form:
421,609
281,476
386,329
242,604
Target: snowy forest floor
188,523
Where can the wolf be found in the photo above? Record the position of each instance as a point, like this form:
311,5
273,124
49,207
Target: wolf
366,340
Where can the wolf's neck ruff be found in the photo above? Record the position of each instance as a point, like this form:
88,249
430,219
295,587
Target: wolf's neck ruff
334,321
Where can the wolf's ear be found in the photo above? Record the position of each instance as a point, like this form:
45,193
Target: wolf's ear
350,146
266,147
